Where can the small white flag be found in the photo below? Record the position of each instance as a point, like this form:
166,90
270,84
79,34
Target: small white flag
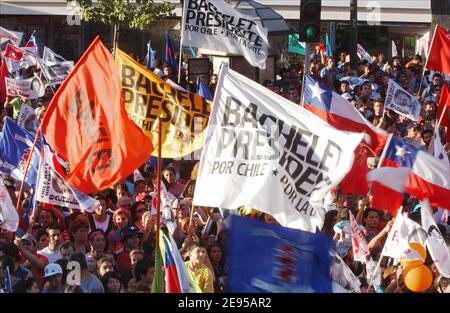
9,219
401,101
437,248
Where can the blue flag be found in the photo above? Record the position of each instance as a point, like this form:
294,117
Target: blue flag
328,46
15,146
8,283
170,55
151,55
203,91
270,258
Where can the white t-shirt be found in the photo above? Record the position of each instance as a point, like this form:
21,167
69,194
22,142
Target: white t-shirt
103,225
50,255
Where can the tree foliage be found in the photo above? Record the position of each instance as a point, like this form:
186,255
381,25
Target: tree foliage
135,13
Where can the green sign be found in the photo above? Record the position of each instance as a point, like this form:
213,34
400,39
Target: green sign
295,46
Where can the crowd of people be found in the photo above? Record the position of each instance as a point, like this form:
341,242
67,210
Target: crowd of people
115,245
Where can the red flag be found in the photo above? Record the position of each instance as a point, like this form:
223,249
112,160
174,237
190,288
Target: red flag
355,182
14,53
3,74
444,104
439,57
87,125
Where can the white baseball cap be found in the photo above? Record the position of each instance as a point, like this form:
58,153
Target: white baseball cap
52,269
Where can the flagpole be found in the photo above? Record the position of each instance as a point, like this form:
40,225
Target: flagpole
181,45
425,66
305,70
442,114
383,154
381,255
26,168
158,183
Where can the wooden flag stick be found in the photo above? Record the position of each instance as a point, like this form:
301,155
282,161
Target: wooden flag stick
158,183
30,155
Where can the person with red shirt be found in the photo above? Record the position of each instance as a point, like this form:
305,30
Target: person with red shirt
130,238
30,258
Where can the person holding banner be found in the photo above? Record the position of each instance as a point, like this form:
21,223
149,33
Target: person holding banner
15,104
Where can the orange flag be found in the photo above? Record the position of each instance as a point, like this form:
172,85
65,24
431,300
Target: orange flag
86,124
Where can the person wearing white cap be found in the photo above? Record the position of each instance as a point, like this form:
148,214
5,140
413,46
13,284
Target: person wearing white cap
53,273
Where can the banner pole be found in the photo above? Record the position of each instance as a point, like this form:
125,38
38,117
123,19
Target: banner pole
181,44
26,168
158,183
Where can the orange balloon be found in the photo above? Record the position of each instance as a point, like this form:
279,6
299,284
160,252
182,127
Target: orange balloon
419,248
418,279
410,263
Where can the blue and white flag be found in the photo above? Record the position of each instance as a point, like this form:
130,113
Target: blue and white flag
51,187
203,91
328,46
289,260
151,56
15,147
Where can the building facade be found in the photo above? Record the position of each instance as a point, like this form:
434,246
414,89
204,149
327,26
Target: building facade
407,22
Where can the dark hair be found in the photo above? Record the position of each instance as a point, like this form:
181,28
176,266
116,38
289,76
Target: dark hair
366,214
425,132
122,186
141,268
11,250
68,244
6,261
196,244
73,289
78,225
105,279
52,226
80,258
328,222
23,285
133,210
170,168
100,196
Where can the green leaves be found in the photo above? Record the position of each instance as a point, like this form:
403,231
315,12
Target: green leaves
136,13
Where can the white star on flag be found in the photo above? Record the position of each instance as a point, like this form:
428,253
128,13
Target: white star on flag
316,90
401,151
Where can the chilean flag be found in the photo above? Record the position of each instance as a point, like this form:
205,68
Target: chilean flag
341,114
170,55
31,43
171,274
412,171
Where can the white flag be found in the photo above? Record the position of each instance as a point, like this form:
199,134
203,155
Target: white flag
438,150
342,275
403,231
54,67
394,51
401,101
363,54
216,26
361,251
268,153
31,88
27,119
9,219
51,188
9,35
437,248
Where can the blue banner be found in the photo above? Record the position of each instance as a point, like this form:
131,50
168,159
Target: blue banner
15,146
270,258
